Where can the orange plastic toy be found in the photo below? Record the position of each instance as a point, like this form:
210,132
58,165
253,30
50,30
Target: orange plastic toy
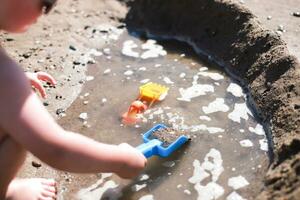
130,117
149,93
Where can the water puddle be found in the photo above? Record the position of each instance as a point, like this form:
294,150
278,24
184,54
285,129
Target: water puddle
224,160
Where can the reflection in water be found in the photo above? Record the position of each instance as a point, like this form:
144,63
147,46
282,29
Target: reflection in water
224,158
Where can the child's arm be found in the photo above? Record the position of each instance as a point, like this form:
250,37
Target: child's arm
25,119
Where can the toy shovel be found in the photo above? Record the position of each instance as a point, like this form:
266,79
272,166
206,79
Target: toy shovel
153,146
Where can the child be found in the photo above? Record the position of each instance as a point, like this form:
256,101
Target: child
26,125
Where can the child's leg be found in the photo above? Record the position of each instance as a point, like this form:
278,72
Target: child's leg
12,155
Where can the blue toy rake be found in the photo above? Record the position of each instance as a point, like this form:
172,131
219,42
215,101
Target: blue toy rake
152,147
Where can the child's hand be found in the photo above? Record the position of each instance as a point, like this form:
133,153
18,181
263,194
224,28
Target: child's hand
135,162
35,81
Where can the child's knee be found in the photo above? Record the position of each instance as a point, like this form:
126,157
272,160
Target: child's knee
13,147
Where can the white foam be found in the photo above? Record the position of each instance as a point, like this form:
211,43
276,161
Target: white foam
203,127
145,80
199,173
182,75
142,69
167,80
153,50
235,90
215,166
128,47
246,143
202,69
237,182
259,130
128,73
144,177
194,91
205,118
138,187
234,196
213,75
216,106
211,167
147,197
211,191
263,144
239,112
177,121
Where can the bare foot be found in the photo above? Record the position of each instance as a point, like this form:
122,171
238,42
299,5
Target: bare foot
31,189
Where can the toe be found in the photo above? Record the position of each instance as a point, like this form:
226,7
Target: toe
50,189
49,182
47,198
47,194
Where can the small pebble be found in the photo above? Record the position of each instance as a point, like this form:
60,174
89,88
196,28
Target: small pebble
26,55
187,192
36,164
106,51
76,62
9,39
104,100
107,71
83,116
281,28
269,17
60,111
296,14
144,177
89,78
72,48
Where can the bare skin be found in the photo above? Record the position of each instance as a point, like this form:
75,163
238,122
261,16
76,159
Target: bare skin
36,81
25,125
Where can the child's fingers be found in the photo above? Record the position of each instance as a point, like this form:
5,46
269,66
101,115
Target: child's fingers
46,77
38,85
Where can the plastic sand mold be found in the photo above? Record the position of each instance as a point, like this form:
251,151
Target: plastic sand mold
151,92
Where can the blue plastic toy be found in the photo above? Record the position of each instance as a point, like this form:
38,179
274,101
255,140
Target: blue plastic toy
153,147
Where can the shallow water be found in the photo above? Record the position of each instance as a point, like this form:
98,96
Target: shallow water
226,157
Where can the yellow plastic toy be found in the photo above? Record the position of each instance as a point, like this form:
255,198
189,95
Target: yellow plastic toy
151,92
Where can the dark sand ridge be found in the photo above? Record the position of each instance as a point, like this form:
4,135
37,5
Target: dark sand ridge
229,35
